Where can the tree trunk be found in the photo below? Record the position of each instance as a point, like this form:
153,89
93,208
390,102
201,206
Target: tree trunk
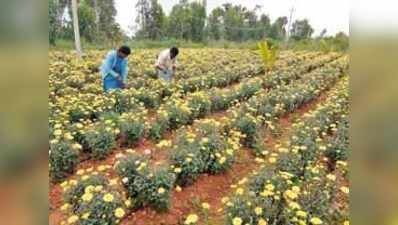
97,16
76,28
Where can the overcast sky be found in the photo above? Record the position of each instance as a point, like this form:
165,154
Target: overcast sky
330,14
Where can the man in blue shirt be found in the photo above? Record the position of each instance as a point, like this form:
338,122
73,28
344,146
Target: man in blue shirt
114,69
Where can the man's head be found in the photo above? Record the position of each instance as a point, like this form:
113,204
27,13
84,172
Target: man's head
123,51
173,52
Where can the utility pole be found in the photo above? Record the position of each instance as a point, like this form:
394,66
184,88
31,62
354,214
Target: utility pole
76,28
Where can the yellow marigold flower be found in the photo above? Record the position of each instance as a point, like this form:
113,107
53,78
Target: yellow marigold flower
345,190
191,219
301,214
205,205
258,211
89,189
237,221
296,189
331,177
87,197
77,146
64,184
127,202
272,160
346,222
188,159
57,132
270,187
177,170
73,219
108,197
65,206
222,160
98,188
224,200
262,222
290,195
85,216
178,188
294,205
101,168
161,190
315,221
119,213
239,191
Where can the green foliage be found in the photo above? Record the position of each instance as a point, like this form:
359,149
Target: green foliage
74,193
301,29
268,54
145,185
62,160
132,127
101,140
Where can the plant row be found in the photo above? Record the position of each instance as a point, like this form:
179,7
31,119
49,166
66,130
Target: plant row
297,187
177,111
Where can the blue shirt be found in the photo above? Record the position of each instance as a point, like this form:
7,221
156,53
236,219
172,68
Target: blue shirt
112,63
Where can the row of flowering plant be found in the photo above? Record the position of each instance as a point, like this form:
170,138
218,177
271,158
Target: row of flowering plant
283,192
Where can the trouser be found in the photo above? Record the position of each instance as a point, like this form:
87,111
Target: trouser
166,75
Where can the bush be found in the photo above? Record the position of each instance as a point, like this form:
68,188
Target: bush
146,186
133,129
101,139
73,194
62,159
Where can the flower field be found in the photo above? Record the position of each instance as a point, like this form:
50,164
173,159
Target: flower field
226,143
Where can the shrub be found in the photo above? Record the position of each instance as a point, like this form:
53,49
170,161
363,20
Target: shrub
145,185
75,190
133,127
101,139
63,158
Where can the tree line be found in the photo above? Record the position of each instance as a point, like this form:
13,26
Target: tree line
188,20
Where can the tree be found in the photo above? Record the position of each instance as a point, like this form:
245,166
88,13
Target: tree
87,24
301,29
215,23
76,28
198,21
323,33
52,21
278,30
151,19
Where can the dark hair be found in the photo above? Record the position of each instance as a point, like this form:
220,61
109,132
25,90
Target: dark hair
174,51
125,50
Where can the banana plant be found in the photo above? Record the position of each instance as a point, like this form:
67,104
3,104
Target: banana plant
268,55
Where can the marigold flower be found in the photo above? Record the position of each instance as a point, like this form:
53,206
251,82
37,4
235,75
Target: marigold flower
119,212
108,197
191,219
237,221
316,221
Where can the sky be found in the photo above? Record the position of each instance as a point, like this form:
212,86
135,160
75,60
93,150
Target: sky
330,14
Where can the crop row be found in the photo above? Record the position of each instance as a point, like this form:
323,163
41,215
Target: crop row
98,139
80,107
208,147
81,103
296,186
178,111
